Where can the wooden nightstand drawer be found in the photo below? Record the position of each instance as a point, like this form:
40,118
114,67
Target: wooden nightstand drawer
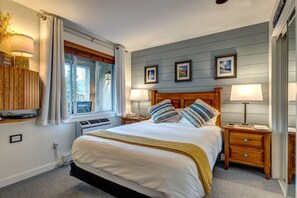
247,145
247,139
249,155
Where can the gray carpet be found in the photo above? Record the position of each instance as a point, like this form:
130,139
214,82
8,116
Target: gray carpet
237,181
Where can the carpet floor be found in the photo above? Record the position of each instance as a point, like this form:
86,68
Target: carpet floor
237,181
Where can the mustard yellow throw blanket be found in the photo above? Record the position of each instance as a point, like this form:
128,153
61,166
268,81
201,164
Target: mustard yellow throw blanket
187,149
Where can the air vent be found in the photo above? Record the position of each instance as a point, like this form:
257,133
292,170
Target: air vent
91,125
94,121
104,120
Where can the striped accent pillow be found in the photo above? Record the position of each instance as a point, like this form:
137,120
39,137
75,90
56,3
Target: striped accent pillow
164,112
199,113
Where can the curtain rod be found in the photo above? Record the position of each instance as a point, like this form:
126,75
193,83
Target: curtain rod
70,27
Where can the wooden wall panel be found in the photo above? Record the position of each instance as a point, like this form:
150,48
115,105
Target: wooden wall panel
12,85
6,89
26,87
1,88
19,89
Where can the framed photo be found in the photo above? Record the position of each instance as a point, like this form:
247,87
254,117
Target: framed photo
183,71
151,74
225,66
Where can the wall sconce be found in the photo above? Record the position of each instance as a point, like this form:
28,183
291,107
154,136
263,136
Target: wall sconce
108,76
22,45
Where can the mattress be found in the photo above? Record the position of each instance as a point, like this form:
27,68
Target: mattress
156,173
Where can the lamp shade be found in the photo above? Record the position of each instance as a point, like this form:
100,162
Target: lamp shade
292,92
139,95
252,92
22,45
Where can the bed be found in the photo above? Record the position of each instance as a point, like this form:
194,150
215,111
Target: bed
125,170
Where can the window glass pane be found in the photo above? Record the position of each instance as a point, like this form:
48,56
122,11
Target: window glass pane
105,87
89,85
69,82
85,85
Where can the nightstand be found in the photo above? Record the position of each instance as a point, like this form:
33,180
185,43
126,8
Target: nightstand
291,155
130,120
246,145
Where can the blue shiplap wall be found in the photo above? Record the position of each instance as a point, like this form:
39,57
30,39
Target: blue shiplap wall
251,45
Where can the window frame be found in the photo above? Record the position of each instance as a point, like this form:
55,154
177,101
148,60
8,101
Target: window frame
76,50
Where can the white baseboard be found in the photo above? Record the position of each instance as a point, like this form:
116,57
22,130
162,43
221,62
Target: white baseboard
283,187
30,173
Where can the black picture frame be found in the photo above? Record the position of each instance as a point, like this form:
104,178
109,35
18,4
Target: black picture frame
151,74
183,71
225,66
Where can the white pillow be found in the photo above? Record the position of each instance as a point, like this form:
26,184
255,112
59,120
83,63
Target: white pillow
184,122
211,122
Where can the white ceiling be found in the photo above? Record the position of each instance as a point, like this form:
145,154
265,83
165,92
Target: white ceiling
140,24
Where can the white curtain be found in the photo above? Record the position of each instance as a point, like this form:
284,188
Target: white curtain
52,72
120,84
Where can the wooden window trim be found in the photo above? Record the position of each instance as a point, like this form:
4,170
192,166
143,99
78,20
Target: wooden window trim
78,50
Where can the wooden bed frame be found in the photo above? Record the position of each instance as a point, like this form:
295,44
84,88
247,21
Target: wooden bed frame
182,100
179,100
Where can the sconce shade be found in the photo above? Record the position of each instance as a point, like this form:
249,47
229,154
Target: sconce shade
252,92
292,92
139,95
22,45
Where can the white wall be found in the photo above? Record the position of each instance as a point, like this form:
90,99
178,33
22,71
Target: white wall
88,43
23,21
35,154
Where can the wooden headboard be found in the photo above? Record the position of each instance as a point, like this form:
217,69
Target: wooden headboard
182,100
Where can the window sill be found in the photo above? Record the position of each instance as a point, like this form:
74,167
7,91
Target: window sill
77,118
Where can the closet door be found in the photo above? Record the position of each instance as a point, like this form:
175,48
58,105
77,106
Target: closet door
291,105
282,102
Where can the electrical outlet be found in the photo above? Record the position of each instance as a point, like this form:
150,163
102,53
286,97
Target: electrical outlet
55,144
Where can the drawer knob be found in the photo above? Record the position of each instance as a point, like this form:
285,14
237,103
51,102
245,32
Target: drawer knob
245,140
245,155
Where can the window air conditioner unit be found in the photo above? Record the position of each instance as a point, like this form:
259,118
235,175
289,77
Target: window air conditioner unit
86,126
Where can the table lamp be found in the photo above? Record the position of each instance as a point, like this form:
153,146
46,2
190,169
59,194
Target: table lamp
139,95
246,93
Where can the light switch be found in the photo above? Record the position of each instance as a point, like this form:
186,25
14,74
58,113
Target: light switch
16,138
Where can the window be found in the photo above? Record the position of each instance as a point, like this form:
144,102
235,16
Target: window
89,84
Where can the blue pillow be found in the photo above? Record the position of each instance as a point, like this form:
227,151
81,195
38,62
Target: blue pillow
164,112
199,113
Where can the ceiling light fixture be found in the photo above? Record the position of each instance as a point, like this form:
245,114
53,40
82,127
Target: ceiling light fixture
221,1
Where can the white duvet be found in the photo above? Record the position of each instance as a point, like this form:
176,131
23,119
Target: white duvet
172,174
